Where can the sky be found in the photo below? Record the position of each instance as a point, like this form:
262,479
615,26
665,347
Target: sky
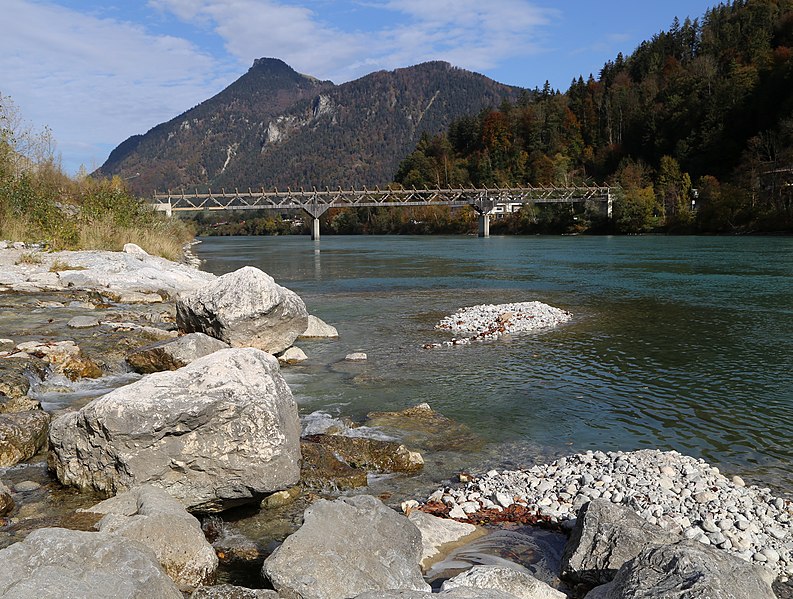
98,71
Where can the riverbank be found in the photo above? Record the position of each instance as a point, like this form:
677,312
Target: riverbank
35,280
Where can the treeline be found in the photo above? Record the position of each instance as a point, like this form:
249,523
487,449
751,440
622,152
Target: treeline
696,127
40,203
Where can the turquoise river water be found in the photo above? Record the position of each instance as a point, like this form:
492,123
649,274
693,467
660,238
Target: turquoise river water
679,343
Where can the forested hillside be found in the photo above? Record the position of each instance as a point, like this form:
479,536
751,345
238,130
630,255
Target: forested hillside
696,126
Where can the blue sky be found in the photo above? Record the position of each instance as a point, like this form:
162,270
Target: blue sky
97,72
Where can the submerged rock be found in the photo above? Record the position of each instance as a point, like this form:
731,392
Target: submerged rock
686,569
244,308
322,469
356,357
423,427
347,547
518,584
370,454
153,518
219,432
22,435
606,536
53,563
173,354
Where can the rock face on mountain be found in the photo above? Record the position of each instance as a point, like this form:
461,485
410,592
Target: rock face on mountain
274,127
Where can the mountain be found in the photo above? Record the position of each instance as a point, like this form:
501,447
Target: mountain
274,127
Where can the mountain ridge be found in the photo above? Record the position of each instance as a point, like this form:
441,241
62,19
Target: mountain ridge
275,127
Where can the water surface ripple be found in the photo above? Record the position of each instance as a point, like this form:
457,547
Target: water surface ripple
677,342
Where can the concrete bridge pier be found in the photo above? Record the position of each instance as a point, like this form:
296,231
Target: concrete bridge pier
484,224
484,206
315,211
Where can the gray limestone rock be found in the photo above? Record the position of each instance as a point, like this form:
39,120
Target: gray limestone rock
173,353
347,547
605,537
161,523
228,591
437,533
501,578
457,593
83,322
22,435
53,563
687,570
318,329
244,308
219,432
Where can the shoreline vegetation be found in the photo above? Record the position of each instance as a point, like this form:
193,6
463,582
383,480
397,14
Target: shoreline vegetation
40,203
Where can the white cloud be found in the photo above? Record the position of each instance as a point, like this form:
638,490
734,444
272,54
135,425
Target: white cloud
97,81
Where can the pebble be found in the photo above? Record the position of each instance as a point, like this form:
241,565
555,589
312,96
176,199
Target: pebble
709,507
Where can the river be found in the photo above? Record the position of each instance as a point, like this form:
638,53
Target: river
681,343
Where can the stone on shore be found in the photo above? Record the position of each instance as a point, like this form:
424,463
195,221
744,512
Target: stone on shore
244,308
217,433
606,536
318,329
519,584
22,435
687,569
6,501
173,354
347,547
370,454
155,519
438,534
54,563
227,591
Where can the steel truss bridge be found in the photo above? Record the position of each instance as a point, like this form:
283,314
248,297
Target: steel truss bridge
486,201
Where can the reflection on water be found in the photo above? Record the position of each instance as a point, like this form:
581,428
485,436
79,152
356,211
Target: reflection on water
677,343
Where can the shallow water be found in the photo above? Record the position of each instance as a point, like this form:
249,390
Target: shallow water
677,342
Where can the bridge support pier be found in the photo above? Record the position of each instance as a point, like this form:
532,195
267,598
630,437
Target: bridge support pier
484,224
315,210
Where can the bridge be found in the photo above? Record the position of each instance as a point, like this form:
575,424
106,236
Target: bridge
486,201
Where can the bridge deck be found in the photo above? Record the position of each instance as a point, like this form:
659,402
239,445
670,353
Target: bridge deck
316,202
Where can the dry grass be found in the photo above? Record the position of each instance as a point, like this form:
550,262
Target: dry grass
59,265
163,238
29,258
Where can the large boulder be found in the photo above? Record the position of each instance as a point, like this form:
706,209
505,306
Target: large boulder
244,308
687,570
344,548
53,563
173,353
219,432
155,519
22,435
606,536
520,584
